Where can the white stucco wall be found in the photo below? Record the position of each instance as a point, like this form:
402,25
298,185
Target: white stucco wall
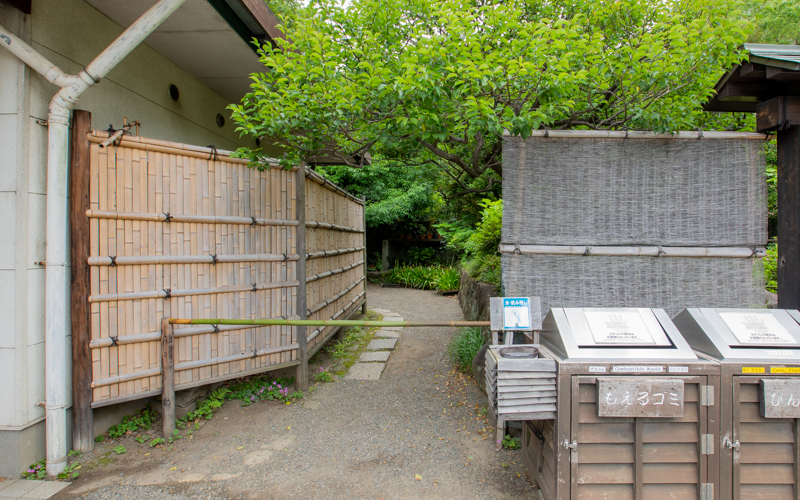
70,33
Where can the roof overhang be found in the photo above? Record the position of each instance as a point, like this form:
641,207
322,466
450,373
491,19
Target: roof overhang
771,71
209,39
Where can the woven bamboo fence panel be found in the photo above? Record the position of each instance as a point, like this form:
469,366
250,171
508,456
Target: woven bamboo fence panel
336,281
598,191
186,232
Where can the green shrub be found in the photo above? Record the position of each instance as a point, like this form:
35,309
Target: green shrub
771,268
485,269
448,279
425,277
465,345
142,420
420,256
486,238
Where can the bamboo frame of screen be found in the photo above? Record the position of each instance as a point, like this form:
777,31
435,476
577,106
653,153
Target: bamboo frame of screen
175,230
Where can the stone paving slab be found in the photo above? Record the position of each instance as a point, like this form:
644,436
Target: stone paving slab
382,356
392,317
393,328
387,334
29,490
365,371
380,344
380,311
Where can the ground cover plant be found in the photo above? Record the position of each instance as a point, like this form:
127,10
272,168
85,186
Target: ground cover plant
425,277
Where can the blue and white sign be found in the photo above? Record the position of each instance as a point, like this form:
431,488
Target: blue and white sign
516,313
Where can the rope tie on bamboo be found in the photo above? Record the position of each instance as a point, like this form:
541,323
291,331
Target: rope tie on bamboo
285,257
660,251
546,133
699,134
586,252
214,259
517,251
114,341
167,293
113,260
254,221
255,353
111,131
255,288
626,134
167,217
216,328
214,155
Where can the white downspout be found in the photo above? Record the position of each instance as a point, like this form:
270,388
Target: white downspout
57,292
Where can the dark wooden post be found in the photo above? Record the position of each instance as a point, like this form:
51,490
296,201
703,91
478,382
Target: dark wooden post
80,283
302,303
783,113
364,227
168,376
789,218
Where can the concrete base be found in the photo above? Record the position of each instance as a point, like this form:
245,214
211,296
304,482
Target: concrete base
365,371
21,448
380,344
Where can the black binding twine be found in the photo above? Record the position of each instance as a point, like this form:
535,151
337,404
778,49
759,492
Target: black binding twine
168,292
113,260
214,155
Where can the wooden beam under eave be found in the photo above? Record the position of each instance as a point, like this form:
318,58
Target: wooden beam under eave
23,5
789,218
778,112
750,70
779,74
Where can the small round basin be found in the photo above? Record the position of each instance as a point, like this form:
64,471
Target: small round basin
519,351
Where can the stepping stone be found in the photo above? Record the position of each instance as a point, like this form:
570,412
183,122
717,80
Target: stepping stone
18,487
393,328
380,344
382,356
46,490
365,371
393,318
380,311
387,334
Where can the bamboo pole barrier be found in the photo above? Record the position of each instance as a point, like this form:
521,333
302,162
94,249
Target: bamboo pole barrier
190,259
324,322
333,227
156,336
633,251
160,294
333,272
331,253
340,312
196,219
336,297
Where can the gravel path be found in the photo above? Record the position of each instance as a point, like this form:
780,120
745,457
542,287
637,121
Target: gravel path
415,433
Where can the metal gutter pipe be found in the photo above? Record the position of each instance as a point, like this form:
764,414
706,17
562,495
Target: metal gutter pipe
57,291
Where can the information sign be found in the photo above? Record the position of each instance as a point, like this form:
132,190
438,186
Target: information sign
618,327
757,328
634,397
516,313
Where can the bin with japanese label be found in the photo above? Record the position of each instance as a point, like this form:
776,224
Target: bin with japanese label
759,355
636,417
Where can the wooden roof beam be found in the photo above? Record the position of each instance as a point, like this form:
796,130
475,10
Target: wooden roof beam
781,74
778,113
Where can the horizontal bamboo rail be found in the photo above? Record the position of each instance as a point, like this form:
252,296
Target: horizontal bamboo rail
640,134
137,260
331,300
191,219
334,227
331,253
160,294
322,181
633,251
332,272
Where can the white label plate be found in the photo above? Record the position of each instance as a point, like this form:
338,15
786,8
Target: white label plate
757,328
618,327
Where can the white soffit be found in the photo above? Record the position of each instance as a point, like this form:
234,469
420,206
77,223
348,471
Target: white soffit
198,40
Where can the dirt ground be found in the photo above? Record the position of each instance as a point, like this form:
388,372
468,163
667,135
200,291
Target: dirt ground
418,432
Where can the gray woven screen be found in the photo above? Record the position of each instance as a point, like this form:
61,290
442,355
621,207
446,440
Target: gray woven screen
600,191
610,191
671,283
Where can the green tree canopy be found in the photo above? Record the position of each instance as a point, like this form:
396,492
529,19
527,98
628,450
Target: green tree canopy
449,76
777,21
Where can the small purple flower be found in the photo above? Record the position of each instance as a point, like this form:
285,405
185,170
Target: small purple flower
31,471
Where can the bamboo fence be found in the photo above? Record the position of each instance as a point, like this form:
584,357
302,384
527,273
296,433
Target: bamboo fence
179,231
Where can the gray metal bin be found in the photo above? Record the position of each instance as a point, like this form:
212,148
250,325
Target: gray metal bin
759,355
636,417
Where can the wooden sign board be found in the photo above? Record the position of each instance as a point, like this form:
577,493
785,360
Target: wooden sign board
639,397
780,398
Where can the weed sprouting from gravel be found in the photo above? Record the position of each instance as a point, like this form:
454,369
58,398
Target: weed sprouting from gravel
465,345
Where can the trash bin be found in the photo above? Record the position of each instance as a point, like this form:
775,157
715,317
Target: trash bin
759,355
635,409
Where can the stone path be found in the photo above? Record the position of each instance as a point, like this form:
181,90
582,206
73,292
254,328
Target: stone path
370,364
26,489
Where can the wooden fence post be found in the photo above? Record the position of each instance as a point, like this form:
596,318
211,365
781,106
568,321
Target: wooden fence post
80,284
364,227
168,376
302,302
